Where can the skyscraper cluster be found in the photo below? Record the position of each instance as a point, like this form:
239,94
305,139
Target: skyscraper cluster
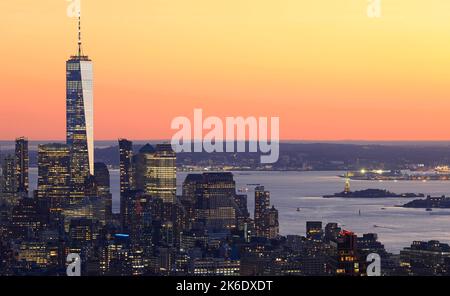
207,230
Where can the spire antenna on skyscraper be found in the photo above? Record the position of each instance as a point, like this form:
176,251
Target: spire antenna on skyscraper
79,33
79,112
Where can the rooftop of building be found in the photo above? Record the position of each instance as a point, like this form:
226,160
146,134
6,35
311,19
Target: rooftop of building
147,148
80,58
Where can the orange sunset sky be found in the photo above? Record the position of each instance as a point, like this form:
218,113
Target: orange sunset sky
324,67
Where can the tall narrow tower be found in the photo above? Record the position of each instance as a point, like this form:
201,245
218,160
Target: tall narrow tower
80,115
262,203
22,163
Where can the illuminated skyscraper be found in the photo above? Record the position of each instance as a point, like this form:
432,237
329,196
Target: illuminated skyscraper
161,175
126,169
154,171
9,184
80,117
22,162
126,176
271,224
54,174
262,203
214,195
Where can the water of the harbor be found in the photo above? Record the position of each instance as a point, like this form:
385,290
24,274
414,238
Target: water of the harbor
396,227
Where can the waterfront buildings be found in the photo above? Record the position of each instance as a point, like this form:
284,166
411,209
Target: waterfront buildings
347,261
266,217
426,258
271,225
262,203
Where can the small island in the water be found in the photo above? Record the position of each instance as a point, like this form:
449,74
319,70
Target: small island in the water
370,193
430,202
373,193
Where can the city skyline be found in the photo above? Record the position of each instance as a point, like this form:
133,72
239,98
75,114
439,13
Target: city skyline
151,209
388,66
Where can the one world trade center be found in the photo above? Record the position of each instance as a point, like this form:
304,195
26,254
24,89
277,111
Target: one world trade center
80,117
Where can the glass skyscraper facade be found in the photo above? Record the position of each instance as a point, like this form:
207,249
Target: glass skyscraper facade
161,174
213,195
54,174
80,117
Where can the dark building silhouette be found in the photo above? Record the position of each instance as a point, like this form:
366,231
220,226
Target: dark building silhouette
82,230
262,203
141,164
214,196
271,224
29,217
314,230
191,193
126,168
9,181
126,174
22,163
426,258
102,185
332,232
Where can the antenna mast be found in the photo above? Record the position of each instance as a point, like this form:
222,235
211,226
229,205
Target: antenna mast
79,33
